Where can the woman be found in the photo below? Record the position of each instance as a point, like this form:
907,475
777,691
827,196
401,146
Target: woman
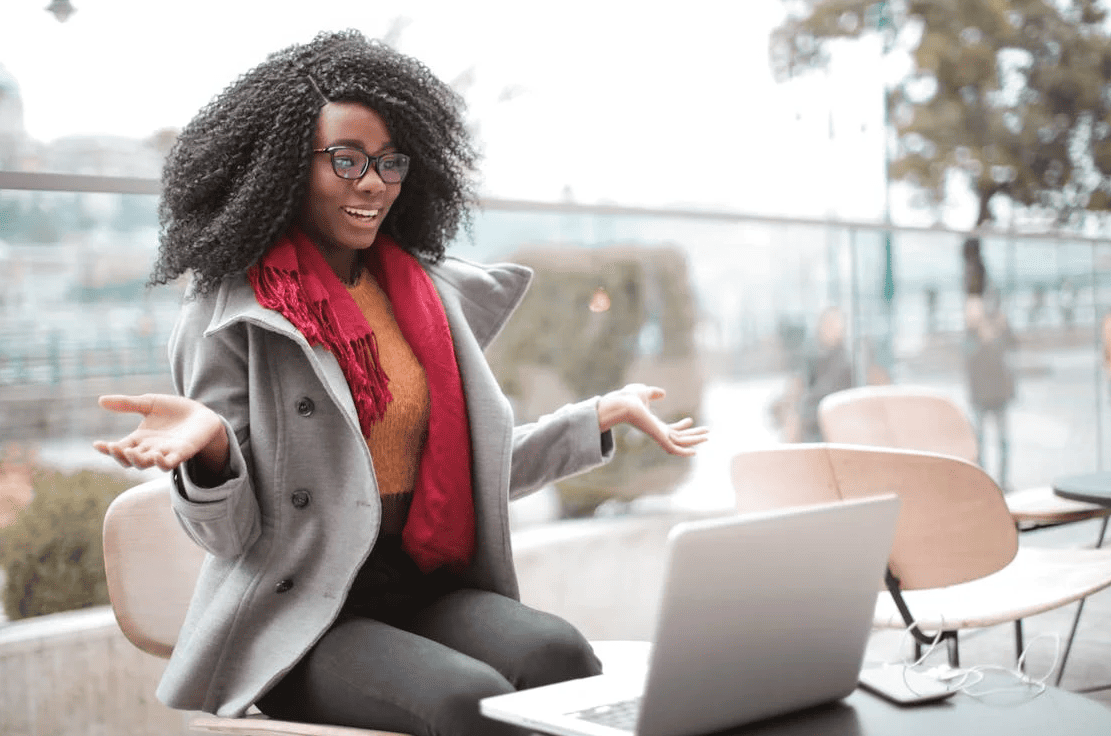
339,445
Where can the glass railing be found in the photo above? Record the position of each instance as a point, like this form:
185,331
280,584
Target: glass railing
720,308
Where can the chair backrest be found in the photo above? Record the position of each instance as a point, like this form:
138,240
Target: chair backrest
899,416
954,525
151,565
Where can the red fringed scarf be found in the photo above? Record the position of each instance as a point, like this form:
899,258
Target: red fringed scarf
294,280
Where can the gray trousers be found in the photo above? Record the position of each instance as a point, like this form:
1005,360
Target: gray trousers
415,653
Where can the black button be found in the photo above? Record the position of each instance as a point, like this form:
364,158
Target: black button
283,586
300,498
305,407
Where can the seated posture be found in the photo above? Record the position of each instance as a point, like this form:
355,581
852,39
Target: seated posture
338,443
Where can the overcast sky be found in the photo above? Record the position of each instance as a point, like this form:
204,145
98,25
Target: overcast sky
613,99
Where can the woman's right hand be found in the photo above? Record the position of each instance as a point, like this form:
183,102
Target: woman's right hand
173,429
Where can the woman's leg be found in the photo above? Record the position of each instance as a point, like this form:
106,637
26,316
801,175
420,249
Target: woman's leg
1002,428
978,426
528,647
368,674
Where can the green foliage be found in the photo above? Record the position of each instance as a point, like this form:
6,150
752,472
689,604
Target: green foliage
1014,96
52,554
558,349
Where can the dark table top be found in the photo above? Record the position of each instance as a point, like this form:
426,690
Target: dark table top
1089,487
1014,711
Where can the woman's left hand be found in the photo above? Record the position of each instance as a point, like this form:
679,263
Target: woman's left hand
630,405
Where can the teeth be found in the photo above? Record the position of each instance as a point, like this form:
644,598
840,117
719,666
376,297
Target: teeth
361,213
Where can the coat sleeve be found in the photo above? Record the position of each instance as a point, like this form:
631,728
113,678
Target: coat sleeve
223,519
558,445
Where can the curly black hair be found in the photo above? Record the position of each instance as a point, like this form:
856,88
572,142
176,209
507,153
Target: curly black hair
234,180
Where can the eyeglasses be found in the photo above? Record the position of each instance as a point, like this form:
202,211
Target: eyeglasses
352,163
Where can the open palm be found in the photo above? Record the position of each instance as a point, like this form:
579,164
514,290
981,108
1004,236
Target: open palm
172,430
631,405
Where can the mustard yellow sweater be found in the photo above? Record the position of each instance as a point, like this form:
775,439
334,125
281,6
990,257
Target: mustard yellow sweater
396,441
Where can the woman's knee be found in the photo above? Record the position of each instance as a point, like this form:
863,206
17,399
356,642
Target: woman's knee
455,710
529,647
563,653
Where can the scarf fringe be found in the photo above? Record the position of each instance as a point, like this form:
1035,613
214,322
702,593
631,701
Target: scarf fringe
281,291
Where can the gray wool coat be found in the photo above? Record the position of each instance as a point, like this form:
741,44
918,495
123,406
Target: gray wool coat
300,513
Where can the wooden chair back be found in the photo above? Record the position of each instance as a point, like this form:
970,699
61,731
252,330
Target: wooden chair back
954,525
151,566
906,417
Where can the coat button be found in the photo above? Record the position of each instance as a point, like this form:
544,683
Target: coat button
300,498
305,406
283,586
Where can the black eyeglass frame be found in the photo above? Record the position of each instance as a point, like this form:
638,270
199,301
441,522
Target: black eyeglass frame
374,161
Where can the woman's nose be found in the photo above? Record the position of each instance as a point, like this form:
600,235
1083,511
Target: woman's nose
370,181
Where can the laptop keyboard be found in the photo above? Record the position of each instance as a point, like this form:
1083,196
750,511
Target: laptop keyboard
620,715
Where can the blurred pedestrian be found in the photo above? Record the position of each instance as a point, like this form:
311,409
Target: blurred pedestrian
988,350
826,369
931,309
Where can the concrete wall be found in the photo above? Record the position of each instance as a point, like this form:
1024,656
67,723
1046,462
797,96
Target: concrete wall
603,575
74,674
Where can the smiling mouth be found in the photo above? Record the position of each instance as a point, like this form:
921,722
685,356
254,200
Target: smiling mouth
362,215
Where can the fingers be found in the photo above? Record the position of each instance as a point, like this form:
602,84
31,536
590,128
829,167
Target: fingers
682,437
114,450
122,403
132,453
689,440
683,428
684,442
104,449
645,392
678,438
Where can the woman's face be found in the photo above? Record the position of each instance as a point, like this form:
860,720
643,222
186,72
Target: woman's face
343,215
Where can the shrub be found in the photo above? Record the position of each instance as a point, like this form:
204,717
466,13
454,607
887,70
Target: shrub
594,320
52,554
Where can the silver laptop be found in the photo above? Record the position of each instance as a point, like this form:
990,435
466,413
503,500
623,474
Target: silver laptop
760,614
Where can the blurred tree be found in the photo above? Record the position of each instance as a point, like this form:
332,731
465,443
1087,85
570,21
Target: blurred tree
1012,96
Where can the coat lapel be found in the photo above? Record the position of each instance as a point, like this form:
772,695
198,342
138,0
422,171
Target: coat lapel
236,303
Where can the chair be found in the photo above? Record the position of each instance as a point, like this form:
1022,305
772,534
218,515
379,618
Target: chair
152,566
916,418
956,562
